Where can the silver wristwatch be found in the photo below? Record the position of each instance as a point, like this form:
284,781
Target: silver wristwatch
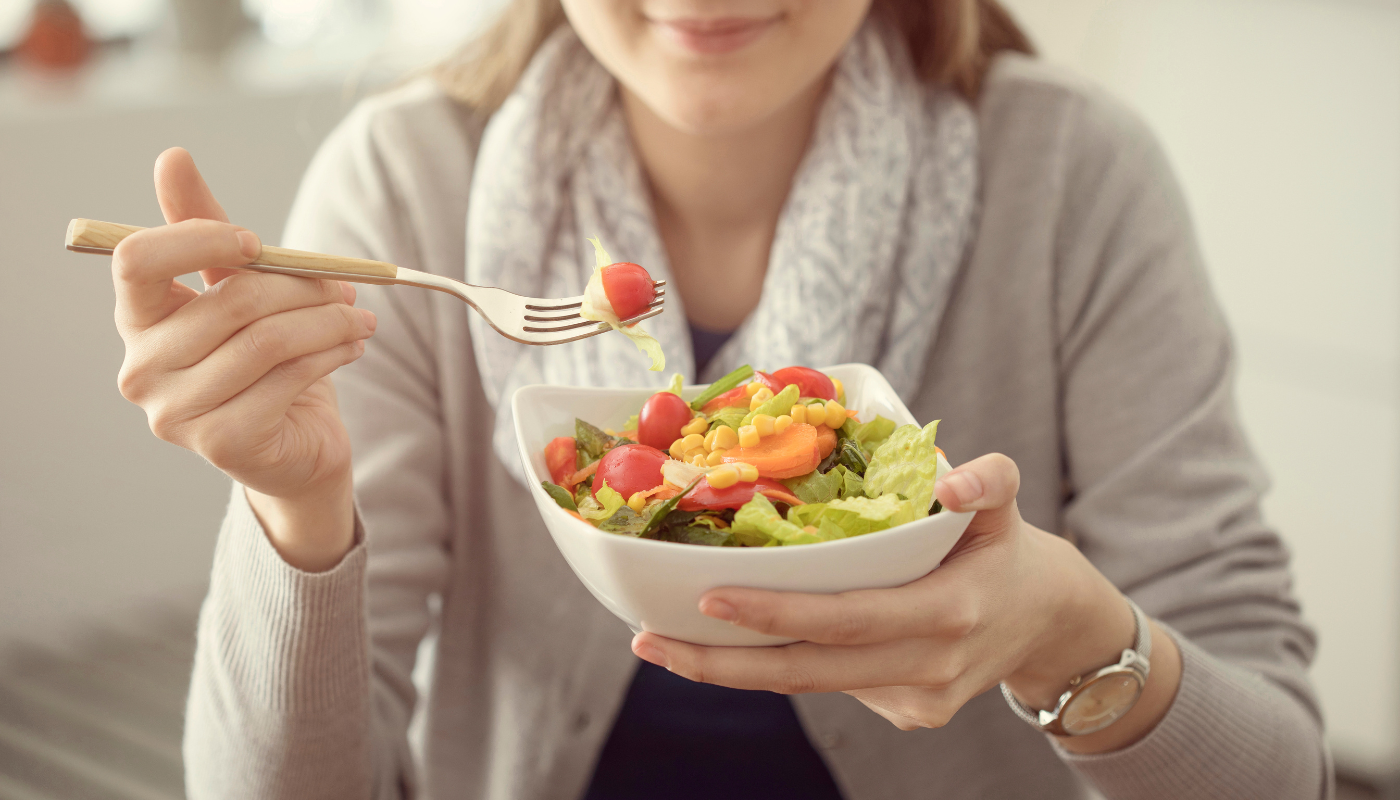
1100,698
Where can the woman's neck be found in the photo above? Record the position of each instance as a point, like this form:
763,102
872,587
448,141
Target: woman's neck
717,199
716,184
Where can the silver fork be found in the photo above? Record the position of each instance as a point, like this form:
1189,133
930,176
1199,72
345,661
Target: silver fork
529,320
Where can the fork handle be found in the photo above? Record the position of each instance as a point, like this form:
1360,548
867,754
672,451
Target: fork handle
91,236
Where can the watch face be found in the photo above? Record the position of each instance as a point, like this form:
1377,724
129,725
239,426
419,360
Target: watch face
1101,702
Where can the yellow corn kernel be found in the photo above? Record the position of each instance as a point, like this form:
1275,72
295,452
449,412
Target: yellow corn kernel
835,414
710,439
812,529
748,473
715,458
782,423
760,397
698,459
763,424
748,436
697,425
693,441
723,477
751,388
840,387
637,502
798,414
678,449
726,438
816,414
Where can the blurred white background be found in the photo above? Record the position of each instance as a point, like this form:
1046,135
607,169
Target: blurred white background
1281,116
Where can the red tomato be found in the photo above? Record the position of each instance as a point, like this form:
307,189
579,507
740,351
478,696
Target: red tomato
810,382
704,496
659,425
733,397
629,289
771,381
560,456
630,468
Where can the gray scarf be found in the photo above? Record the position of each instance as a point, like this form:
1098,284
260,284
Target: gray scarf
874,228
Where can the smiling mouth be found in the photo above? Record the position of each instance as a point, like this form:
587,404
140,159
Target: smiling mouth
713,36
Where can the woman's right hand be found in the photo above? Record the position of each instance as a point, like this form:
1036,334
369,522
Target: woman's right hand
239,373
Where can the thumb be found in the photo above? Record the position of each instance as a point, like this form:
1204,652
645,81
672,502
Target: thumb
987,485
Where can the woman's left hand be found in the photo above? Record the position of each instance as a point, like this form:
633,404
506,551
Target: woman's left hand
1009,603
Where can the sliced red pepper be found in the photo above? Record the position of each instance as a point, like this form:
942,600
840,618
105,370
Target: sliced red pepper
560,455
703,496
733,397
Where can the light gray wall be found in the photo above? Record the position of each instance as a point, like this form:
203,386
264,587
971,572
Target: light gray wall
98,517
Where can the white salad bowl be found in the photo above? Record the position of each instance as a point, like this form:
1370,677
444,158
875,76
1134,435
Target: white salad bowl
656,586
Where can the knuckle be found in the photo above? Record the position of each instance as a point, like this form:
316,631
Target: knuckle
244,296
131,254
329,291
941,673
165,424
795,680
352,320
849,625
960,619
265,341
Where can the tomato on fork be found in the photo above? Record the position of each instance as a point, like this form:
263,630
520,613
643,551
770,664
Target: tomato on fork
629,288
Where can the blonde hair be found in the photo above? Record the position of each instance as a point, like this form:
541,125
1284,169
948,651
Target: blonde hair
951,42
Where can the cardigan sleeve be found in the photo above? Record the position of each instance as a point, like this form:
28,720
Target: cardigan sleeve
302,685
1163,491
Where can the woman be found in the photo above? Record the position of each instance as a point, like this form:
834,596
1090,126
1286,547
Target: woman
820,182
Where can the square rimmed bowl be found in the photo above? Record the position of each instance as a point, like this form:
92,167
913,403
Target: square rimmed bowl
656,586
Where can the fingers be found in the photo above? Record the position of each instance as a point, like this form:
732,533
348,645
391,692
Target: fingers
246,357
181,190
247,417
200,326
912,707
146,263
930,607
801,668
983,483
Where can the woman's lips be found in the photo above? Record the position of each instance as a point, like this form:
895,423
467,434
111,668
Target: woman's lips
713,36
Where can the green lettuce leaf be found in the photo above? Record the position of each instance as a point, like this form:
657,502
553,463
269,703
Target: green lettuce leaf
816,487
852,485
661,510
730,417
852,457
853,516
677,384
719,387
560,495
779,405
625,522
759,524
596,307
870,435
603,504
906,464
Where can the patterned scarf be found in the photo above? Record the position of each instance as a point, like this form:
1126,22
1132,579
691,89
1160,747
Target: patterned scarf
877,220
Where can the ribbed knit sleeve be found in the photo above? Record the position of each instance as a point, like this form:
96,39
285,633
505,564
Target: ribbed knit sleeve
1223,721
281,677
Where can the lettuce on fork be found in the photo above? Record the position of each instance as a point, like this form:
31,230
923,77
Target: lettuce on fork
596,307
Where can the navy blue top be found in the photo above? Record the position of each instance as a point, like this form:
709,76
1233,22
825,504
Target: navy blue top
681,740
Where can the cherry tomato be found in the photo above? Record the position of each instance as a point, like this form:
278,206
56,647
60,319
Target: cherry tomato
661,420
810,382
561,456
774,385
629,289
704,496
630,468
733,397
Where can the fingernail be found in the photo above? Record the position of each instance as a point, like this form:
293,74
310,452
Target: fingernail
248,244
348,292
719,610
371,321
648,653
966,485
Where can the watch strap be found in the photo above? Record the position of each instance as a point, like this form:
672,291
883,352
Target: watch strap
1139,658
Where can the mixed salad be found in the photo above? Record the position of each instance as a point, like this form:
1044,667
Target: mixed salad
757,460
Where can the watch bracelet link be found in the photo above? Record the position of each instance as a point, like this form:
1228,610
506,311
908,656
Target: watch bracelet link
1139,656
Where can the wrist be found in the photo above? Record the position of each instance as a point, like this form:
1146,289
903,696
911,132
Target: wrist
312,530
1087,626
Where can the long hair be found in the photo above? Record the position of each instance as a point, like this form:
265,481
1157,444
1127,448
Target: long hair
951,42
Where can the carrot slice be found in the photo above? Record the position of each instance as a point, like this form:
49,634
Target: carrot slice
785,455
581,476
782,497
826,441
